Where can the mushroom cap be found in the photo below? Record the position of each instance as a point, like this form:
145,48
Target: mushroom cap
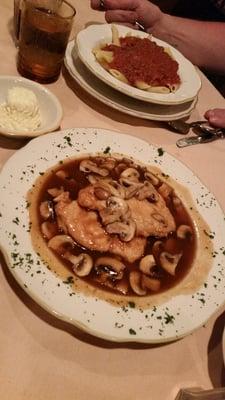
112,264
133,189
106,162
183,231
126,230
46,209
49,229
116,208
169,261
157,246
147,263
58,242
131,174
82,264
62,174
135,283
101,191
150,283
89,166
165,190
147,191
55,192
152,178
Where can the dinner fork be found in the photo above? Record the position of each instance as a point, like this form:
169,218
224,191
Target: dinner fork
183,127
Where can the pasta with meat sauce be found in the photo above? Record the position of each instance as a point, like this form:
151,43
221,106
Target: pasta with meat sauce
139,62
115,224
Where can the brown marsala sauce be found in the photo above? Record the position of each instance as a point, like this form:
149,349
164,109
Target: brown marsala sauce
77,180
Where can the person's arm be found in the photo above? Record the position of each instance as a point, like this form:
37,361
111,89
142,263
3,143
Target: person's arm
201,42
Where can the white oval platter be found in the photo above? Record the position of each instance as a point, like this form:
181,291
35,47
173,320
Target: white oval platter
173,319
90,37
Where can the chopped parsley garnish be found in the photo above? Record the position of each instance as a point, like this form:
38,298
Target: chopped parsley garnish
160,151
68,140
107,150
169,319
210,235
69,280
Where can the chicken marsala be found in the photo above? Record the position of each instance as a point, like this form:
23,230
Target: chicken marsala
116,224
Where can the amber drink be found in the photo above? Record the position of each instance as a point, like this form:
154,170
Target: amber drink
16,18
44,33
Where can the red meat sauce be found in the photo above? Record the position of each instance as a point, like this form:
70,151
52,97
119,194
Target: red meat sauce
143,60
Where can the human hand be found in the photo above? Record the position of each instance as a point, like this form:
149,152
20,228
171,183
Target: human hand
128,12
216,117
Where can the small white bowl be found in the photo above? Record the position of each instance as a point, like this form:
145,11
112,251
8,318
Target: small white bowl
50,107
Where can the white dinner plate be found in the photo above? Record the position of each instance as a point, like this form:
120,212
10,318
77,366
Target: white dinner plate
90,37
117,100
177,316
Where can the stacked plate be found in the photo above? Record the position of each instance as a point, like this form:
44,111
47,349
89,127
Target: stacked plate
88,73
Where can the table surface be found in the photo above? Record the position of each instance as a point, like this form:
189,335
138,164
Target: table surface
44,358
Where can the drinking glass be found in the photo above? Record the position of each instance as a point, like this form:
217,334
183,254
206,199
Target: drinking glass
44,32
16,18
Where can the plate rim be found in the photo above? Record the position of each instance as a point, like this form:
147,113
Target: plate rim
74,321
124,88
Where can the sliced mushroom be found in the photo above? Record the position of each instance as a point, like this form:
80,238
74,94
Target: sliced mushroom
60,242
116,203
64,197
152,178
62,174
115,209
150,283
49,229
131,174
122,286
106,162
132,190
82,264
113,267
157,247
165,190
169,261
120,167
93,178
46,209
126,230
89,166
176,201
101,191
105,189
135,283
55,192
147,191
117,189
184,231
147,263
